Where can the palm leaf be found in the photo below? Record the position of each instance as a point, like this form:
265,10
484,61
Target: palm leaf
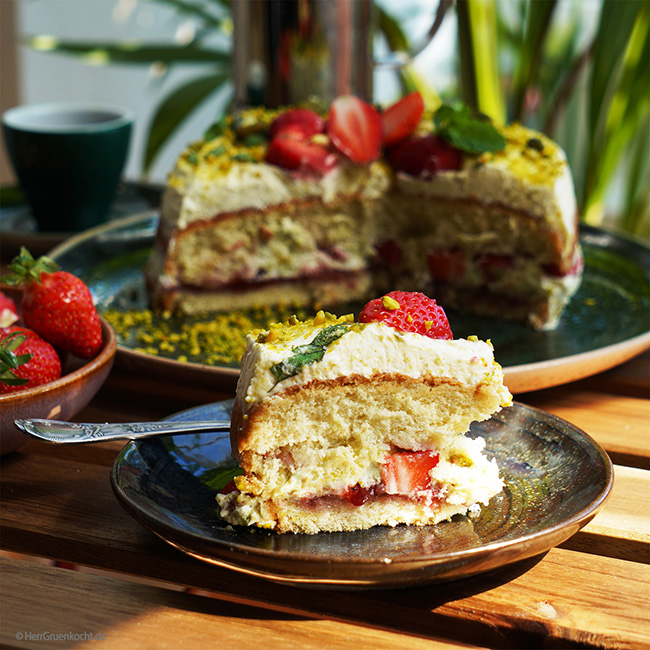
618,96
397,41
479,68
392,32
538,22
635,214
177,107
129,53
616,24
198,10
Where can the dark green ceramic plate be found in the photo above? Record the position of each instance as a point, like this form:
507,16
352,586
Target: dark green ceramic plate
556,479
606,323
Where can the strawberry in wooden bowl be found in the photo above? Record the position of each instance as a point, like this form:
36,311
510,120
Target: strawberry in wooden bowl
55,350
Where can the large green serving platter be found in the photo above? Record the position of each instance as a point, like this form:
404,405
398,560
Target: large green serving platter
606,323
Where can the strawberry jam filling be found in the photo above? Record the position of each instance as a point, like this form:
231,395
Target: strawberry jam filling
402,473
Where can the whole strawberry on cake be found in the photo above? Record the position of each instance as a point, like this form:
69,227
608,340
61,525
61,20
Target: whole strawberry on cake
343,425
296,206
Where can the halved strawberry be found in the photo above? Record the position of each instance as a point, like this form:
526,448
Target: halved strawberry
406,472
389,253
8,311
408,311
357,494
399,120
294,153
425,156
354,127
446,265
305,119
494,266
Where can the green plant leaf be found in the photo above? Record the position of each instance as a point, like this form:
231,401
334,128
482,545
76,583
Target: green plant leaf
129,53
616,23
622,100
538,22
392,31
635,213
176,107
479,69
199,10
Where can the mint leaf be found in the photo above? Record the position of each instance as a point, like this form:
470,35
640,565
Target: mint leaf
215,130
305,354
217,478
466,131
255,139
242,157
216,152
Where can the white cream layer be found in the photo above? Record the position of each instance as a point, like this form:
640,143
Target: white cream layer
366,350
201,192
494,183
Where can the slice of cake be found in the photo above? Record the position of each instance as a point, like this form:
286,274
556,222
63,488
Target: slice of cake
247,222
292,206
342,425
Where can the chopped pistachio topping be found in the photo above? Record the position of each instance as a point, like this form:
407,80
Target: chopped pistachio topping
540,163
321,139
390,303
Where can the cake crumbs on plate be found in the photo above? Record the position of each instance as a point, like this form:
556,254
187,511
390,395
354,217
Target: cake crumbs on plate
211,339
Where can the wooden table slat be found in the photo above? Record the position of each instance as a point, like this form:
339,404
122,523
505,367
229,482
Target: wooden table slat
56,503
116,614
620,424
73,516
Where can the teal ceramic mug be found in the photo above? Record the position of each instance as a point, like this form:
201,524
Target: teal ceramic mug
68,159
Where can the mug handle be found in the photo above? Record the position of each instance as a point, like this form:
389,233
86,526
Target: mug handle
395,60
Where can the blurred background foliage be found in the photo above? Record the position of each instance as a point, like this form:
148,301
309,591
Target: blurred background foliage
514,60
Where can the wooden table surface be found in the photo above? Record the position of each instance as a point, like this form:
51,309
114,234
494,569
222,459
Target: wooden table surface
131,590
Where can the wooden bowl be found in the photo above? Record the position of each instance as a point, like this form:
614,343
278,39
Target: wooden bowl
59,400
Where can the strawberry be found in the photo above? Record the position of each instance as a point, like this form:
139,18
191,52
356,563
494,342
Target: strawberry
26,360
446,265
57,305
357,494
425,156
8,311
389,253
354,127
289,151
406,472
494,266
408,311
303,119
399,120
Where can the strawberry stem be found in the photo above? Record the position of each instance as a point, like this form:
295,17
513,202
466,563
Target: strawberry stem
10,361
24,268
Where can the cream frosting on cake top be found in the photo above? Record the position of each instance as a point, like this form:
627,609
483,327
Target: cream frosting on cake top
366,350
531,173
194,193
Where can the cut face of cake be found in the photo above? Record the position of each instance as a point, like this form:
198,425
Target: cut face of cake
290,206
342,425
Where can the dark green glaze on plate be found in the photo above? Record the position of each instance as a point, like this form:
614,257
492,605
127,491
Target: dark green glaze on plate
606,323
557,478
